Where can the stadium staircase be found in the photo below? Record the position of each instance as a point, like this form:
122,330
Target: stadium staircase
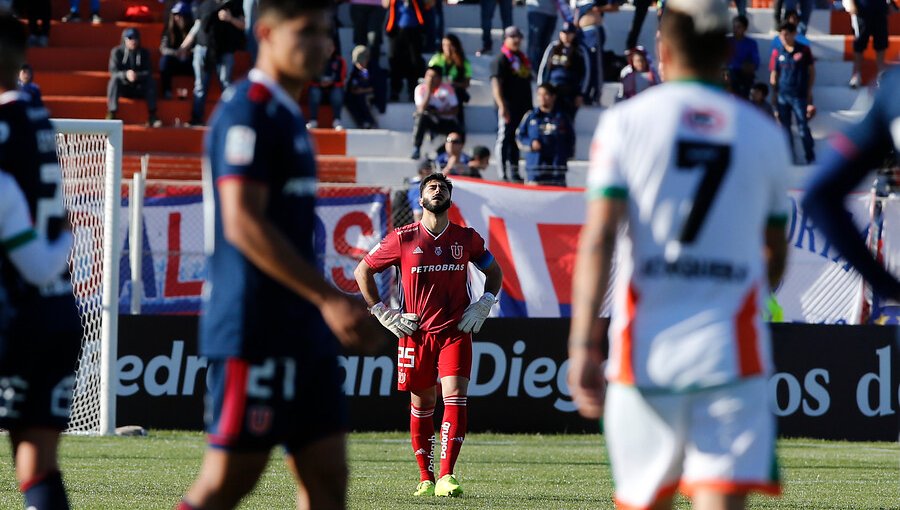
72,72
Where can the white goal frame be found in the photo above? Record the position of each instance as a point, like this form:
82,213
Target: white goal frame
109,331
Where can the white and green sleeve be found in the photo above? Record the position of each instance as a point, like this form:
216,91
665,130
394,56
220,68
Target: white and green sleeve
38,261
605,176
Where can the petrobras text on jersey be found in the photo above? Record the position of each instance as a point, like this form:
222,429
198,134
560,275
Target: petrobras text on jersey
438,267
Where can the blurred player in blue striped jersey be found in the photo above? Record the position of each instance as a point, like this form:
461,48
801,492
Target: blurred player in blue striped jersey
268,315
850,157
35,387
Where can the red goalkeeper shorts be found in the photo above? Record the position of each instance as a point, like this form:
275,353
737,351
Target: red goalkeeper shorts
424,356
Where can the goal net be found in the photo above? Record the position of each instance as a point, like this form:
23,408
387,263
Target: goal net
90,155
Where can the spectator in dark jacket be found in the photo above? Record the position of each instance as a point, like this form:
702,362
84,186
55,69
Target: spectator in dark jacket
331,85
359,89
175,60
218,32
744,58
565,66
130,76
546,137
638,75
27,85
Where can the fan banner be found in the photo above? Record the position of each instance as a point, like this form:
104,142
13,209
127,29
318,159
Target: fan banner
348,222
533,234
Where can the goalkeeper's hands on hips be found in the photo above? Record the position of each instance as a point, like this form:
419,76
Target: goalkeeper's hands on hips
475,314
398,323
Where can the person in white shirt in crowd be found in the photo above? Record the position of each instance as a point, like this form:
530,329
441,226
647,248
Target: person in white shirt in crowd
436,108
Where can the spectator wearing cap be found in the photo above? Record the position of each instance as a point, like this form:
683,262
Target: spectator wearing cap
547,138
218,32
130,76
565,65
436,107
744,58
455,69
453,161
638,75
330,84
511,87
74,14
359,89
175,60
27,85
487,19
793,75
869,20
405,28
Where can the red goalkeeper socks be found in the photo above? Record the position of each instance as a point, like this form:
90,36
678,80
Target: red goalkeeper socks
453,432
421,427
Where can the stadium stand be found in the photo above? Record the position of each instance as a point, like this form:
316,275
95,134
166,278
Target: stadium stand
72,74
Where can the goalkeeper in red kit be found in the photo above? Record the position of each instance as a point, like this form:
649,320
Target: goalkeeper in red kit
435,322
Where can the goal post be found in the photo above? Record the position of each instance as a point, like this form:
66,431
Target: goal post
90,156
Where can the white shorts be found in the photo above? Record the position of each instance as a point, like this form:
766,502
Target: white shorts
721,439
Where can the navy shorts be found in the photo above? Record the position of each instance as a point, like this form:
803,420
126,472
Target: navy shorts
37,378
866,26
255,405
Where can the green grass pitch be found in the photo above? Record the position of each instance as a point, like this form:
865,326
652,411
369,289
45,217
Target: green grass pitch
497,471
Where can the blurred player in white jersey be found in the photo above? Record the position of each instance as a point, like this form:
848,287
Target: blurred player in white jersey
697,177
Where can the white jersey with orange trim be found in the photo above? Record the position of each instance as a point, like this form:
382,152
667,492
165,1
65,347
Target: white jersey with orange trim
703,174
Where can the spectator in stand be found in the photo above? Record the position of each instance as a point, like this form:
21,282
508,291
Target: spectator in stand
759,95
74,14
38,12
793,18
590,19
511,88
547,138
175,60
455,69
542,16
130,76
487,19
331,85
367,17
802,23
359,89
638,75
218,32
27,85
565,66
251,9
434,26
744,58
453,161
637,22
480,161
869,19
436,108
793,75
406,35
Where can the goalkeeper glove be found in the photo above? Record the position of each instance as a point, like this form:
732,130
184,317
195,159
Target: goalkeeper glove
400,324
475,314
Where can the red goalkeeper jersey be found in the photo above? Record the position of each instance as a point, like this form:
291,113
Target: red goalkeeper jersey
433,270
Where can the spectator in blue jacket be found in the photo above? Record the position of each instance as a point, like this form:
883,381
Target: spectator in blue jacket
330,87
565,66
744,58
27,85
547,138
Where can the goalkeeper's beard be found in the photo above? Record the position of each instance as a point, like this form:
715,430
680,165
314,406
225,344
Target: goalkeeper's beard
438,208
